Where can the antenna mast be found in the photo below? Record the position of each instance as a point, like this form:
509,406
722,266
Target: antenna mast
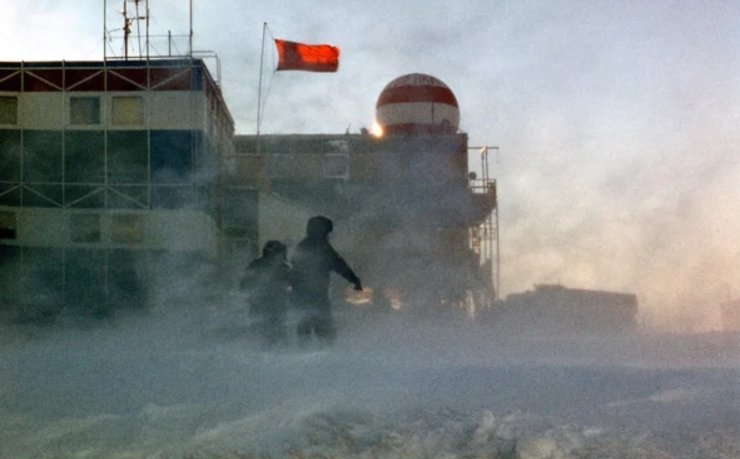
190,34
129,21
132,38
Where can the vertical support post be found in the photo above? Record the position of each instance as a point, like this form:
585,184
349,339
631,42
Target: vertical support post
259,86
498,254
126,30
489,239
147,30
105,29
190,44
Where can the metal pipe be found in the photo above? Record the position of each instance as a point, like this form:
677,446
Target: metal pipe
190,48
259,86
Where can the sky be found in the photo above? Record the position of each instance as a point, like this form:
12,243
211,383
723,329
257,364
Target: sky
616,121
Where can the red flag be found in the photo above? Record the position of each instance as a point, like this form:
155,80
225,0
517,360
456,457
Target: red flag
312,58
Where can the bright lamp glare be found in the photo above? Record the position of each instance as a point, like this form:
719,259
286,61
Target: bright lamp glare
377,129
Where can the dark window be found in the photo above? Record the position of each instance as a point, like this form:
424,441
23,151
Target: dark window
7,225
84,110
172,156
84,155
127,228
127,157
10,155
8,110
85,228
42,156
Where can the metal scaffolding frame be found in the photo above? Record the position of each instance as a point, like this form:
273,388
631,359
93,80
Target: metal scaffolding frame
103,188
131,21
485,237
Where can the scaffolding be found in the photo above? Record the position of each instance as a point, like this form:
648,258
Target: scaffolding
484,238
97,157
129,34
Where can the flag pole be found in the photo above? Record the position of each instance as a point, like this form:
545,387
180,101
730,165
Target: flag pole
259,86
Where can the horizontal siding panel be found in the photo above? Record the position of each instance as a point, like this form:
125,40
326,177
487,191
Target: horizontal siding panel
184,110
180,230
41,110
177,110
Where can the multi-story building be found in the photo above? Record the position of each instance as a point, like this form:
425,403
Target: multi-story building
115,173
410,217
107,169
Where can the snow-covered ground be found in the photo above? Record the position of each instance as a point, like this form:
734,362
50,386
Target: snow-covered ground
178,382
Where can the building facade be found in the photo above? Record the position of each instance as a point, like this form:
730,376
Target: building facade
407,215
105,166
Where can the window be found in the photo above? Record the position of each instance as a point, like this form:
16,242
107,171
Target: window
10,155
84,156
8,110
336,165
127,156
171,155
42,155
85,228
84,110
127,111
7,225
127,228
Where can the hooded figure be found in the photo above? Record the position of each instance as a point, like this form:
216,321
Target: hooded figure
266,279
313,261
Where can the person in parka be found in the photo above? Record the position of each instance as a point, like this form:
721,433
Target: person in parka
312,262
266,280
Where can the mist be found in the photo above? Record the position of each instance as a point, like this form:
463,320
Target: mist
183,374
617,166
617,170
660,225
185,378
615,122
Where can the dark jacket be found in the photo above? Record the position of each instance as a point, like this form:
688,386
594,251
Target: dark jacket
313,261
267,281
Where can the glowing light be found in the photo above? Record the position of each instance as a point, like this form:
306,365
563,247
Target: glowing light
354,297
376,130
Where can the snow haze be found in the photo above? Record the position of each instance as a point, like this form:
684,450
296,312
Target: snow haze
618,169
184,380
616,121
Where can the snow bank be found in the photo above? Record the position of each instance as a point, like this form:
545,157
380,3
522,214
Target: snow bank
180,382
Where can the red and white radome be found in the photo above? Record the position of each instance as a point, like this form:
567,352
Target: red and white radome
417,104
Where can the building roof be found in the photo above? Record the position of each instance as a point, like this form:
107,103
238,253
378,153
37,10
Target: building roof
168,74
